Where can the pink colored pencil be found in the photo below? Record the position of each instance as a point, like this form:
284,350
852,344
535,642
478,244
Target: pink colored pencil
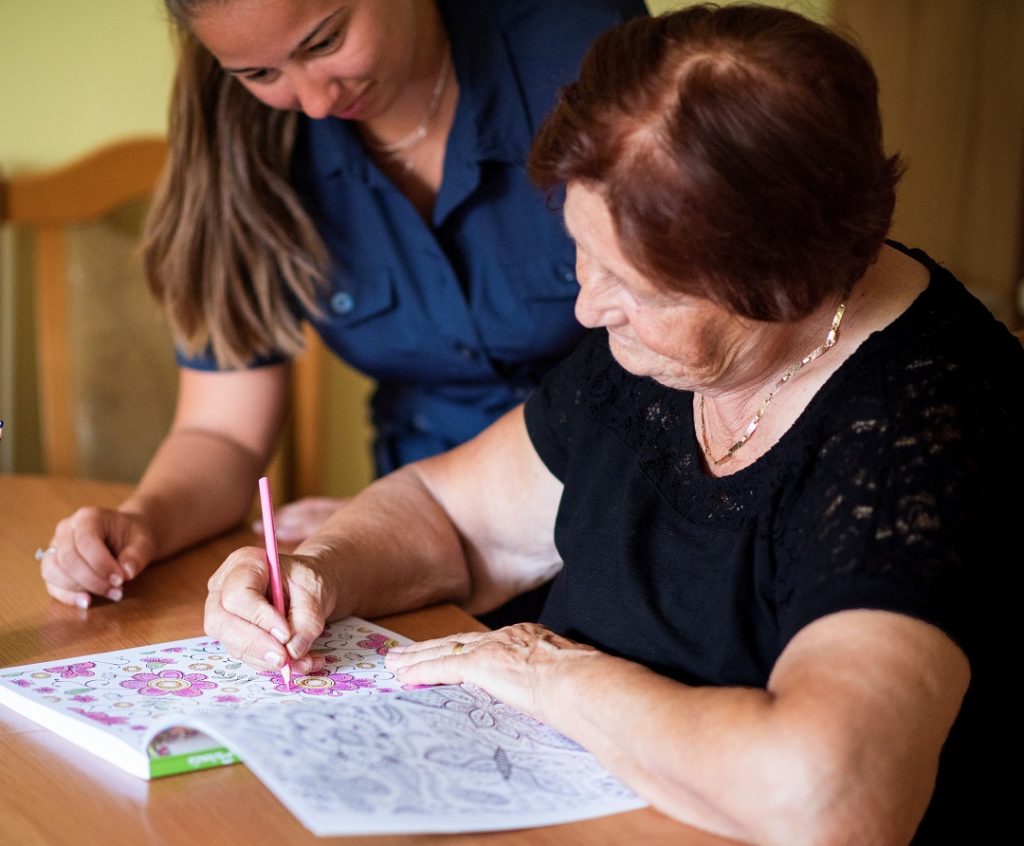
276,588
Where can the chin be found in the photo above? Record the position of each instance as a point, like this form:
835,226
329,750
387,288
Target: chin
624,353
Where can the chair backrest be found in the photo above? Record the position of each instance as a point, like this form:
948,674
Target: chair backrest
94,321
137,373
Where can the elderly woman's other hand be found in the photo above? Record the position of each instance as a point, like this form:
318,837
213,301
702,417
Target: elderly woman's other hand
514,664
240,616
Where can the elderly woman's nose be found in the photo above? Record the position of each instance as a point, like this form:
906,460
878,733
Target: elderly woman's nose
594,306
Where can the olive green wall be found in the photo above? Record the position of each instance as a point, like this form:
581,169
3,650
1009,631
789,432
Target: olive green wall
75,73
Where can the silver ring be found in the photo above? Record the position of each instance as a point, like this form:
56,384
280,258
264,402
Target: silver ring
42,553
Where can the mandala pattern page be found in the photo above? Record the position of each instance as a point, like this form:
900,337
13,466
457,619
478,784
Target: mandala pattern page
443,759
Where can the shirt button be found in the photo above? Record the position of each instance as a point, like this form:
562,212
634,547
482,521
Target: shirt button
342,303
467,353
568,272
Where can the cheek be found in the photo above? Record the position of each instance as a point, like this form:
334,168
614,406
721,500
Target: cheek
275,96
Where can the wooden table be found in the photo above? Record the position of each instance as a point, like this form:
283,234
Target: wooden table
52,792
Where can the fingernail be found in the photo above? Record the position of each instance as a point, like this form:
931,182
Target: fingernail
279,635
116,580
273,659
130,569
297,648
82,601
114,595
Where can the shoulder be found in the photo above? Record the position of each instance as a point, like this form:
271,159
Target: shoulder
945,357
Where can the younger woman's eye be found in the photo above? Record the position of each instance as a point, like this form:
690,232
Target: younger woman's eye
325,45
263,76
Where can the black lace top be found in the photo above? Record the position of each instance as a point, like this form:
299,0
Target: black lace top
896,489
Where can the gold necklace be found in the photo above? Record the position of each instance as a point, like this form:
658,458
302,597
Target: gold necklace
394,150
830,341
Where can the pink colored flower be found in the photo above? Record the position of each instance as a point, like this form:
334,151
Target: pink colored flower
378,643
82,698
22,682
100,717
321,683
227,699
45,689
159,659
69,671
169,681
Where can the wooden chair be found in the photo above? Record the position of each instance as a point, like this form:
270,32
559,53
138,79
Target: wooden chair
46,208
49,210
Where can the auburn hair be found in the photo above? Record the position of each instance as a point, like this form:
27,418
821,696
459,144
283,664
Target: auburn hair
739,149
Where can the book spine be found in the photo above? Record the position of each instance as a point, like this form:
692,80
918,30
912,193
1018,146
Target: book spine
188,762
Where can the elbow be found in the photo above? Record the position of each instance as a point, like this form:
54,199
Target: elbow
834,791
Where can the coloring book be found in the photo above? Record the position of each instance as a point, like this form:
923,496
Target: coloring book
348,750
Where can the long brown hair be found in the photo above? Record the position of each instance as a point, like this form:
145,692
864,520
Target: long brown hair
227,244
739,149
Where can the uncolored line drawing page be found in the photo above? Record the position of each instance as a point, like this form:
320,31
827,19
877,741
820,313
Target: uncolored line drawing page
444,759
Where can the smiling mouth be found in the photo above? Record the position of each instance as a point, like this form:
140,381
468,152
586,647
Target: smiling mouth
355,108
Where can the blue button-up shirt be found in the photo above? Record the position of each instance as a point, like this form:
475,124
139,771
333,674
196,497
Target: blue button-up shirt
457,318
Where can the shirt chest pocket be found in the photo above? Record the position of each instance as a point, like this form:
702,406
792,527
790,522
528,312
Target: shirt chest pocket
357,300
364,323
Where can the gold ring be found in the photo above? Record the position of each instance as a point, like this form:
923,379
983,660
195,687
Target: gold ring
457,647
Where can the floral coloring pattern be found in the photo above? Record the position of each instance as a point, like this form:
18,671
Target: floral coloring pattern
169,681
378,643
321,684
70,671
139,687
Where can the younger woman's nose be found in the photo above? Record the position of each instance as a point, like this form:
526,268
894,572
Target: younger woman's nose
316,96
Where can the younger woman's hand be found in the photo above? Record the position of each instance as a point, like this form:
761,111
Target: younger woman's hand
95,552
297,520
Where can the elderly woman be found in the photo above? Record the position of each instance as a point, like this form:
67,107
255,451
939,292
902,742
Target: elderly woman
772,469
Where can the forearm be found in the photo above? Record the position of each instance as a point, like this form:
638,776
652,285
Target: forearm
390,549
198,485
697,754
840,748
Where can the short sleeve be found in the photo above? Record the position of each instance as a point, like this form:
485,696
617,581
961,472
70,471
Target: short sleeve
901,507
206,361
551,408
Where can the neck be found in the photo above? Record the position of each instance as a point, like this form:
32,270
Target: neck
728,421
424,100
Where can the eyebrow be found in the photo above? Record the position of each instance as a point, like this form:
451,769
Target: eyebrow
305,42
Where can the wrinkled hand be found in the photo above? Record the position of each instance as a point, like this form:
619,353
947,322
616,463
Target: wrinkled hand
98,550
240,616
513,664
297,520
